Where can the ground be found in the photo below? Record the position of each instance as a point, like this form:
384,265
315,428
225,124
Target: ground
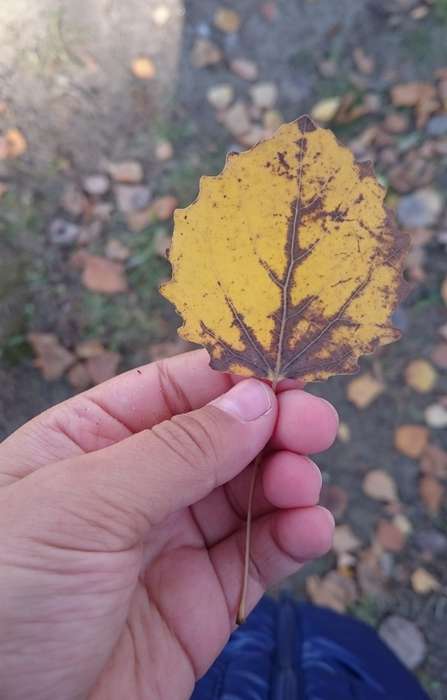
88,85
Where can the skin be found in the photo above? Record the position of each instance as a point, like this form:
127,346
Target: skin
121,527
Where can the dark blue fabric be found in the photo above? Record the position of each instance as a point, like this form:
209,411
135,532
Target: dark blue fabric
290,651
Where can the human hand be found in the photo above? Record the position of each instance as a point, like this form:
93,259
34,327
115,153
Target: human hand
122,527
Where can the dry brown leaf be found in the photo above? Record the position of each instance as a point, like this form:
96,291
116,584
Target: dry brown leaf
103,275
78,377
52,358
363,390
421,376
129,172
103,367
439,355
164,207
372,575
205,53
411,440
89,348
432,494
12,145
143,68
227,20
434,462
379,485
333,591
423,582
345,540
389,536
364,63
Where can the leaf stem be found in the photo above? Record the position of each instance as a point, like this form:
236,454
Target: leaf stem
241,614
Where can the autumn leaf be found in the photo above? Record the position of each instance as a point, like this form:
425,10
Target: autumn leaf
288,264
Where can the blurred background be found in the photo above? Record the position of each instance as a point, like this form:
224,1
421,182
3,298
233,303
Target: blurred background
109,114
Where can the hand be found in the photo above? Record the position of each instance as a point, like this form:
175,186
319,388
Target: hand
122,527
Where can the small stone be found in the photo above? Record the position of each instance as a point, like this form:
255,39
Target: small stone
227,20
96,185
405,639
73,201
115,250
205,53
328,68
164,150
264,95
164,207
129,172
345,540
344,432
236,119
434,462
132,197
325,110
403,524
103,367
423,582
420,209
244,68
63,233
436,416
411,440
389,536
379,485
78,377
90,232
431,542
101,210
437,126
220,96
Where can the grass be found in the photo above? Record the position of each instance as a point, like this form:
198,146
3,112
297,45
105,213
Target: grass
366,610
441,10
418,43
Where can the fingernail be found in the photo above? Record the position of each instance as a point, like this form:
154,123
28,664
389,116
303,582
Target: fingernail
246,401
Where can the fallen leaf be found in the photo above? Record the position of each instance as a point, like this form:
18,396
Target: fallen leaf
236,119
379,485
220,96
143,68
205,53
333,591
164,207
12,145
411,440
259,306
403,524
90,232
227,20
104,276
129,172
78,377
265,306
363,390
325,110
372,574
364,63
102,367
389,536
396,123
432,494
405,639
434,462
422,96
423,582
421,376
52,358
439,355
345,540
436,415
89,348
244,68
335,499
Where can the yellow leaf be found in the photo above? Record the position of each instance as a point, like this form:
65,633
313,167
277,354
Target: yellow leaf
288,265
411,440
12,145
143,68
423,582
325,110
421,376
363,390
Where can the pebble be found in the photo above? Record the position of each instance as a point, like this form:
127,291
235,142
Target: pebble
227,20
205,53
220,96
96,185
132,197
164,150
437,126
236,119
63,232
129,172
436,416
420,209
245,69
264,95
405,639
73,201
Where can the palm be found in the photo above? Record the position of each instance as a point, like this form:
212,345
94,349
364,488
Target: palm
187,607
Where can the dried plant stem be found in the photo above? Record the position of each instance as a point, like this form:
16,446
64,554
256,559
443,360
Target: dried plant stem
241,615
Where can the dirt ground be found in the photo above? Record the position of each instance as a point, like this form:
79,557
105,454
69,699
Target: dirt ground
71,87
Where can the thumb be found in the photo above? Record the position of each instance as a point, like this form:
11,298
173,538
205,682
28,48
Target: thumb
128,487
